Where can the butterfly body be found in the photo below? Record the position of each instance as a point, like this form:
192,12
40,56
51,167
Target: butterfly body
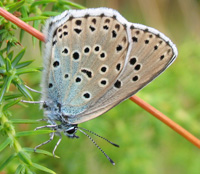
93,60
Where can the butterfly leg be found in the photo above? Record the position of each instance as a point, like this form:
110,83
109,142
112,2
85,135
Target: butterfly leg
46,126
58,134
31,102
43,119
51,138
33,90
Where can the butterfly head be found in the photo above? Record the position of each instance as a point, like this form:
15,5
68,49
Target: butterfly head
69,130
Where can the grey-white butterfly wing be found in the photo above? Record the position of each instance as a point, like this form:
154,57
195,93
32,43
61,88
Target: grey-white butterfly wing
84,55
150,54
94,59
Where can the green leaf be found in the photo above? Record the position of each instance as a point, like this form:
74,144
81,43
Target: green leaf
2,60
25,157
34,18
10,55
36,132
26,70
18,57
36,26
40,46
10,104
2,70
3,89
19,169
9,45
15,6
42,2
23,64
24,121
10,78
27,149
50,13
24,12
3,31
5,163
8,65
8,97
21,35
72,4
23,90
42,168
5,144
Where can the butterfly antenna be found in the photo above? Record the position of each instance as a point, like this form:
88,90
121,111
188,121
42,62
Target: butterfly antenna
113,163
116,145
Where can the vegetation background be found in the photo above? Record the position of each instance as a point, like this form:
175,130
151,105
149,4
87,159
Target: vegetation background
147,146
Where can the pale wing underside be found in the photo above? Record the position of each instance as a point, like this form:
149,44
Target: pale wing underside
87,56
95,59
150,55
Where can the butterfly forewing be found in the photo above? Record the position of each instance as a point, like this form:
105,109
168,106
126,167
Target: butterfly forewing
87,55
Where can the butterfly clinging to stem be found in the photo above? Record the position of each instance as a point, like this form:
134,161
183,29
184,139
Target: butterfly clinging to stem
93,60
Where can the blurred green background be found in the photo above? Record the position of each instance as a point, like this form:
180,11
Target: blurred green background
147,146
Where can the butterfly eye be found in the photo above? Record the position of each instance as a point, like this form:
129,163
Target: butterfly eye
71,130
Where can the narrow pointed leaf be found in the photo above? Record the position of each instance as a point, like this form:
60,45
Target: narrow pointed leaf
16,6
10,78
2,60
3,89
19,169
8,65
24,11
36,132
23,64
26,70
18,57
23,90
21,35
10,55
42,168
42,2
5,144
24,157
50,13
10,104
9,45
2,70
27,149
40,46
3,31
13,96
34,18
36,26
5,163
24,121
72,4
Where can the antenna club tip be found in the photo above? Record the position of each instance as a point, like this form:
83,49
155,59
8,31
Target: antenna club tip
116,145
113,163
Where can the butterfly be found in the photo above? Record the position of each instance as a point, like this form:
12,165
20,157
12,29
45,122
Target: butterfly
93,60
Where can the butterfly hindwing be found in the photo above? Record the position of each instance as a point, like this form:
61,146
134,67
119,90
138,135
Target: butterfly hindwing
150,54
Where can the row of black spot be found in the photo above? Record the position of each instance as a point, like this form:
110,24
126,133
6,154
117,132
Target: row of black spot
78,31
85,95
135,39
103,82
86,50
